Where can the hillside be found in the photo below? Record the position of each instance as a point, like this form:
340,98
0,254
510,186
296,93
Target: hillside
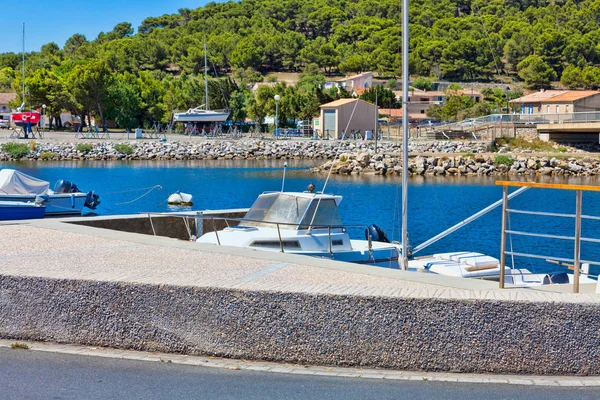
534,41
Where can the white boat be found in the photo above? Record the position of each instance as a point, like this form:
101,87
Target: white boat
476,265
65,199
199,114
304,223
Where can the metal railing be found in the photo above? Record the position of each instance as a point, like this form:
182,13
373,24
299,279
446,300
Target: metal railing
576,238
198,216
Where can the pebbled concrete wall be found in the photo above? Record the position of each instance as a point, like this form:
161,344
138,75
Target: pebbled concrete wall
397,333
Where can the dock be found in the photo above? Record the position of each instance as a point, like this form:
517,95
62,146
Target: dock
64,282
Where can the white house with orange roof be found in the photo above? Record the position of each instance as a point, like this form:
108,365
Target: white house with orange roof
558,102
359,81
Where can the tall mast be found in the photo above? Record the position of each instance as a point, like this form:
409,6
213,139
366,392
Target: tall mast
405,134
23,68
205,78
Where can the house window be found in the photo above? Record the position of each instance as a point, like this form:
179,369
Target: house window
547,109
422,111
557,108
567,108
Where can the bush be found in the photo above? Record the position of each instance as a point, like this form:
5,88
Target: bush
123,148
84,147
15,150
504,160
47,155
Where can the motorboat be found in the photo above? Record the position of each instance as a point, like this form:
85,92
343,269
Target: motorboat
17,210
64,199
465,264
304,223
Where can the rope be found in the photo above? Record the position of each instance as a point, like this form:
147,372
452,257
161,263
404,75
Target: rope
136,199
134,190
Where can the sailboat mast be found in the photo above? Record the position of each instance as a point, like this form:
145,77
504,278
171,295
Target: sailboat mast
404,134
23,68
205,78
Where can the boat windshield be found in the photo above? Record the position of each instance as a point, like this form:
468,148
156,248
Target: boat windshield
290,209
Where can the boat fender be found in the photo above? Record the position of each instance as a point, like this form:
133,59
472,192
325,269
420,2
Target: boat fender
92,200
377,234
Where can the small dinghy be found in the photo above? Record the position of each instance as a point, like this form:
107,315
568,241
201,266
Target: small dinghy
182,199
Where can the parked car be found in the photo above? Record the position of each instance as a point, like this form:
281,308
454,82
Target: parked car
4,123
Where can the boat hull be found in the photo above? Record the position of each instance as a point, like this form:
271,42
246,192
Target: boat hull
57,204
21,118
17,210
201,117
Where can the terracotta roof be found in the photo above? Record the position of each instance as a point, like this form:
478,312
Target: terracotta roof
537,97
342,102
391,112
572,95
358,91
5,98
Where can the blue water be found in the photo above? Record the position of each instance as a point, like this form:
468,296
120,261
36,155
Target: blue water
434,204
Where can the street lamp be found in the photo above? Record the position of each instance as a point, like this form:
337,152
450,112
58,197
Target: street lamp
507,90
277,98
43,118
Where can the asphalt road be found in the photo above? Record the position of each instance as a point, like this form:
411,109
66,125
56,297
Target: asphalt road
26,374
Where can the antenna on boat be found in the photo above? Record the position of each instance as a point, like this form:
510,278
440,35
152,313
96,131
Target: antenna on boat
283,181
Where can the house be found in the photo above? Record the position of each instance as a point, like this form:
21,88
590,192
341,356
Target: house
558,102
345,115
362,81
6,98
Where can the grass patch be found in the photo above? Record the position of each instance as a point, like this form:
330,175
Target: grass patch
469,155
84,147
123,148
47,155
535,145
19,346
504,160
15,150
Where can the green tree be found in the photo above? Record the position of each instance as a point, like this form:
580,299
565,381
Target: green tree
536,72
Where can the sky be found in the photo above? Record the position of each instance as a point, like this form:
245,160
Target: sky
57,20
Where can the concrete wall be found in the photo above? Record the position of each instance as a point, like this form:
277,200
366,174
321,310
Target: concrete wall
401,333
168,226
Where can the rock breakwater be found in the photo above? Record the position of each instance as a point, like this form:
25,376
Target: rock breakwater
228,149
457,165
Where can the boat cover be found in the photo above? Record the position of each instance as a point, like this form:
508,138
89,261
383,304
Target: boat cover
15,182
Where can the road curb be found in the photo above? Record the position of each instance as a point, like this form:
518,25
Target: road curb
231,364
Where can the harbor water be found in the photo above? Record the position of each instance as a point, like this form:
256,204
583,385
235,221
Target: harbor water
435,204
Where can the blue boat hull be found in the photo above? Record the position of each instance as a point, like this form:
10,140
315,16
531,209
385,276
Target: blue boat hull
10,211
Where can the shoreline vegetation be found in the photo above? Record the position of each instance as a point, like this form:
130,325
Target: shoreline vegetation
436,158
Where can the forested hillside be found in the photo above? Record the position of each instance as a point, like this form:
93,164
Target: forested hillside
155,68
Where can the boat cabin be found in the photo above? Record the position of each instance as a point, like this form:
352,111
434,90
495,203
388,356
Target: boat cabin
294,210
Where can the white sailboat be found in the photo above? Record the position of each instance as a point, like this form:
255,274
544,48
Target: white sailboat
202,113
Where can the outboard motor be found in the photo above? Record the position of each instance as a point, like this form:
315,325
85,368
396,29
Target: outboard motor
92,200
377,234
63,186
